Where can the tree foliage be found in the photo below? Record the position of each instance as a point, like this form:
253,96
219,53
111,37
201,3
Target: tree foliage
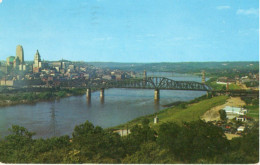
223,114
193,142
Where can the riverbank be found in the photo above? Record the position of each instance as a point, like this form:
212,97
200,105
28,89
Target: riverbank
4,103
34,97
177,103
190,111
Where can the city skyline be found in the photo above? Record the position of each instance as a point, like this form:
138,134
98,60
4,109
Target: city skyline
143,31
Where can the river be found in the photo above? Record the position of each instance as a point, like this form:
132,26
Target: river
59,117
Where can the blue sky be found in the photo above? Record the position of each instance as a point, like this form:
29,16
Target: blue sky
131,30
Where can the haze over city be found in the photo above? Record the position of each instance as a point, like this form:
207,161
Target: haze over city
131,30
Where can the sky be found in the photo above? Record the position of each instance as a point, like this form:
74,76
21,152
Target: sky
131,30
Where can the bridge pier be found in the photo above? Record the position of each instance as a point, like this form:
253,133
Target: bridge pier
102,95
156,94
89,102
88,94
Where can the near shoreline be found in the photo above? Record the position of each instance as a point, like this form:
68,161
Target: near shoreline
184,112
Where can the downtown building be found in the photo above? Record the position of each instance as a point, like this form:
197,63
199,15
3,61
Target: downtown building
37,65
18,61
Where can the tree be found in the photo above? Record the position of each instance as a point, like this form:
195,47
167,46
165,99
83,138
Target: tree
167,135
223,114
139,135
17,147
95,144
193,141
19,136
149,152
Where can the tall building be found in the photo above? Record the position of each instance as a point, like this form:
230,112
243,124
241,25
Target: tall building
37,62
20,54
18,62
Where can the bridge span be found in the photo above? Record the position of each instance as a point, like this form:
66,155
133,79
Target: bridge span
156,83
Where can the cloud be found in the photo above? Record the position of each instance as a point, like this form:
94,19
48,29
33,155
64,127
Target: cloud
223,7
0,1
250,11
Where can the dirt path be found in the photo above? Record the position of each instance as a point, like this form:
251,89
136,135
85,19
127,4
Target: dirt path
243,86
231,136
213,113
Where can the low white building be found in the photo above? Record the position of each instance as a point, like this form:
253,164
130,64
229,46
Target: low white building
241,118
123,132
233,112
241,129
156,120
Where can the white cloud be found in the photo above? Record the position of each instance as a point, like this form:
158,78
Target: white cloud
223,7
0,1
250,11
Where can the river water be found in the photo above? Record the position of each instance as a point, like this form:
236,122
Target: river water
59,117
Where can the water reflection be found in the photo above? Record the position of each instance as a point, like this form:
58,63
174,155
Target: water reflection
102,100
88,101
53,121
157,105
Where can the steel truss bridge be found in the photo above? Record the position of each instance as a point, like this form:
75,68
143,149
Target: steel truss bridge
161,83
156,83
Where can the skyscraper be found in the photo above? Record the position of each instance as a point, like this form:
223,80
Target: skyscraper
20,54
37,62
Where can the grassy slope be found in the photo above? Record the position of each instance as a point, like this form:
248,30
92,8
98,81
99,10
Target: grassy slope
177,114
253,111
